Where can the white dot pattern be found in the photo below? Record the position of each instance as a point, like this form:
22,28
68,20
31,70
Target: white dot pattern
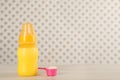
68,31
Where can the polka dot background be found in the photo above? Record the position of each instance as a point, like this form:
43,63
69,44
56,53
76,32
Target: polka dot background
68,31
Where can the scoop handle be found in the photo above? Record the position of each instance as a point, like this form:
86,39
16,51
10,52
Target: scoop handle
41,68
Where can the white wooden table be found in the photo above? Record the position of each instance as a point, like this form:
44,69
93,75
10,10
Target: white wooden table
67,72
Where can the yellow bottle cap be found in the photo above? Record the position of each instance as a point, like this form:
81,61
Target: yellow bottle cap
27,35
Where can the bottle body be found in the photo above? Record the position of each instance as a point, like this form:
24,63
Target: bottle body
27,61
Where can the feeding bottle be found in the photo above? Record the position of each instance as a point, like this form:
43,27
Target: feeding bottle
27,52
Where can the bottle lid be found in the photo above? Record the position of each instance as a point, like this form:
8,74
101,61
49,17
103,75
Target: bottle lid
27,35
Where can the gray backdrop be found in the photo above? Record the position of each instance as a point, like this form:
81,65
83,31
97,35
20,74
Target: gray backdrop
68,31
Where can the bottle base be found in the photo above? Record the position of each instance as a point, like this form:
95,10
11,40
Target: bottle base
24,75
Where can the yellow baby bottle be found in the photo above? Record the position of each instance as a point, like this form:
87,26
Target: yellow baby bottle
27,52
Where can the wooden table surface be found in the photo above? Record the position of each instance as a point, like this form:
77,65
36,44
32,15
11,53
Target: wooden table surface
67,72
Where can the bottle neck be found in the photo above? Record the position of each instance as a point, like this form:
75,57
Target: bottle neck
27,45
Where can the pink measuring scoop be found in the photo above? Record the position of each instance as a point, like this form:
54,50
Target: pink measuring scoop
50,71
